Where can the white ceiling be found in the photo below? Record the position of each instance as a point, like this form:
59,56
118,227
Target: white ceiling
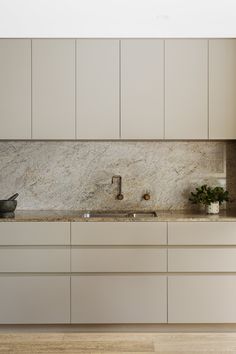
117,18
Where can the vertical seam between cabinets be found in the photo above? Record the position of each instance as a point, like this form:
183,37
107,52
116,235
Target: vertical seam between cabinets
119,89
70,272
164,89
75,83
167,300
31,88
208,79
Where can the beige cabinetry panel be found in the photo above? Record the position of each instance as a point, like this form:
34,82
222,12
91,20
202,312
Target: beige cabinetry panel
34,299
186,89
97,89
15,89
202,233
222,89
202,260
119,299
53,88
31,259
118,233
118,260
202,299
34,233
142,89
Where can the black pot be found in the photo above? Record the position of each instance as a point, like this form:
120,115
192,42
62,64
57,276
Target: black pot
7,208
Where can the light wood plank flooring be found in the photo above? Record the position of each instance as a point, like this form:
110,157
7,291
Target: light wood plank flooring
117,343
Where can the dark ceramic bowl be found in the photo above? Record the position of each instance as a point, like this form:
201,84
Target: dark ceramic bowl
7,206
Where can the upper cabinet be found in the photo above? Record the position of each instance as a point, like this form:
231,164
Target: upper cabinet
15,89
97,89
186,89
142,89
222,89
53,88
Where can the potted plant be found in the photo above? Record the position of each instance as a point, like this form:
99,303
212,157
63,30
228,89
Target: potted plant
211,197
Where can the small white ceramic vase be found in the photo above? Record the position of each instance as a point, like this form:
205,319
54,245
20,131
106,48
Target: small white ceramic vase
213,208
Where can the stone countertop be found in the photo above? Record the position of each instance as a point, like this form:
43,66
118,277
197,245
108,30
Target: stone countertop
77,215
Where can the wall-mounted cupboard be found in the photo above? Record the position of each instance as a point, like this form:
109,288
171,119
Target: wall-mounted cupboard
117,89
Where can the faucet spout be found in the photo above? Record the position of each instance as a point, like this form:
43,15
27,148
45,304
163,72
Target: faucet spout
119,196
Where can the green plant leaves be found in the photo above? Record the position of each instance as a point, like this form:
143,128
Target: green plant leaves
207,195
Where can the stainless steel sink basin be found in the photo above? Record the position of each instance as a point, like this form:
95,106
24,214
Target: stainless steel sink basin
118,214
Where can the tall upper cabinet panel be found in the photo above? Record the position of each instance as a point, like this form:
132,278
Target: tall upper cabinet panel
222,88
186,89
97,93
53,71
142,89
15,89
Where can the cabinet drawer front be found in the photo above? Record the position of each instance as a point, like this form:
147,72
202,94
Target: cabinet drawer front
34,299
119,233
34,233
202,260
119,260
202,233
119,299
16,260
202,299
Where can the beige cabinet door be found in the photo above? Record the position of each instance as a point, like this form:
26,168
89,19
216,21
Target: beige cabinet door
118,233
97,93
53,88
15,89
142,89
34,299
222,88
186,89
202,299
119,299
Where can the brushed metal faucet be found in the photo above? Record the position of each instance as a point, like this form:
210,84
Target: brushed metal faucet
119,196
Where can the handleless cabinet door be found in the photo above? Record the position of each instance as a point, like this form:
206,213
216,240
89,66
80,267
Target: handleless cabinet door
15,89
222,88
97,93
186,89
53,88
142,89
202,299
119,299
34,299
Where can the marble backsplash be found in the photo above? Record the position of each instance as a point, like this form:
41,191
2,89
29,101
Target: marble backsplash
77,175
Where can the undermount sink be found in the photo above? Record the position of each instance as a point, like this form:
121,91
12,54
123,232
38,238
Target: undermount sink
117,214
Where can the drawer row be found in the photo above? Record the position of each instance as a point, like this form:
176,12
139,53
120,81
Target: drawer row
116,260
117,233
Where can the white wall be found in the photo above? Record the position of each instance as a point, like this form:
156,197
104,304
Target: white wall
117,18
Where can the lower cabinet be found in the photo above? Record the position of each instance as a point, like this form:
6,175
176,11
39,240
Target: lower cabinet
34,299
202,299
119,299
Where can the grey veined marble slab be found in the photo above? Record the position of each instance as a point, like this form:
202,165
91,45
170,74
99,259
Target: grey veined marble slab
70,175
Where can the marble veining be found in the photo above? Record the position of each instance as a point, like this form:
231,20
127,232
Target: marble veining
73,175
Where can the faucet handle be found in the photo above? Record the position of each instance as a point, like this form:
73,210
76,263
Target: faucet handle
146,196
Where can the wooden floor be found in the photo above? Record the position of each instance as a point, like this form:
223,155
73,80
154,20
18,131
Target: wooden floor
98,343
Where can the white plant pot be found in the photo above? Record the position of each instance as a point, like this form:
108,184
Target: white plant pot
213,208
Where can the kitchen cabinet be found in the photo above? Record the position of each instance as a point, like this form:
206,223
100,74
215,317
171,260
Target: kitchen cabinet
15,89
34,299
97,93
186,89
142,89
121,233
202,299
118,260
119,299
222,89
53,88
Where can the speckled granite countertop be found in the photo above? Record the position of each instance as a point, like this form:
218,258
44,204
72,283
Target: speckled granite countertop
73,215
